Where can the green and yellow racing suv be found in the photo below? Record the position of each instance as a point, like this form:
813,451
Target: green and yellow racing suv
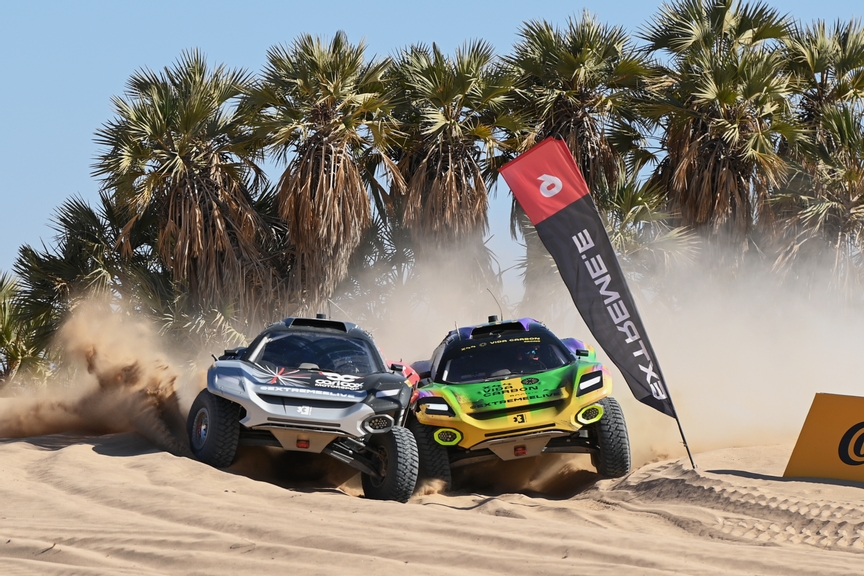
513,390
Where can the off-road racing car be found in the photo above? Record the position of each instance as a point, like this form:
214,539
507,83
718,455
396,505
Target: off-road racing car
311,385
513,390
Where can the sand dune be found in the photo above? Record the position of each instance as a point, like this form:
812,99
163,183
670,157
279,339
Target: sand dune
115,504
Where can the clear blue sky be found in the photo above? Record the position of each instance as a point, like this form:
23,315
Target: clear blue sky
60,63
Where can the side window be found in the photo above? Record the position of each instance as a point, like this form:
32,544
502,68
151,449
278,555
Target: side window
437,369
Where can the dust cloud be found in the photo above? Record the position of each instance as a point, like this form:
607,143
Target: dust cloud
114,379
552,475
742,355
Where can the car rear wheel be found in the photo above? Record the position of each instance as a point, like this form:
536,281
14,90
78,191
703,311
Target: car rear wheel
613,444
395,453
434,460
214,429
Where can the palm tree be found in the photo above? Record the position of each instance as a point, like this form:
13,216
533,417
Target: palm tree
381,272
722,103
20,351
581,84
827,67
177,151
323,109
82,262
455,115
821,212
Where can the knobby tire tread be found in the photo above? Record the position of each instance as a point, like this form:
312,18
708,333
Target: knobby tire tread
403,462
434,459
613,442
224,436
228,433
409,463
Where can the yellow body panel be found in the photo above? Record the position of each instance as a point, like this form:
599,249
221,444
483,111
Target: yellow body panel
514,422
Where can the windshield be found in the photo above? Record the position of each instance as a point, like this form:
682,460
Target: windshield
313,351
499,359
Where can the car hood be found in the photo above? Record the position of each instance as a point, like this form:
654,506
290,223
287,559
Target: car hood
296,378
513,391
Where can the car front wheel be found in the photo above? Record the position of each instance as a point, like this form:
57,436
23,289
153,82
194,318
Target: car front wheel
434,460
613,444
395,454
214,429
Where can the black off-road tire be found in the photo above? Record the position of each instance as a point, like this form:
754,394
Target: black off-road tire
213,426
613,457
397,451
434,459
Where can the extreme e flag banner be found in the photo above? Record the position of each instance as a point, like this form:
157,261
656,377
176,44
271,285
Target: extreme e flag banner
550,188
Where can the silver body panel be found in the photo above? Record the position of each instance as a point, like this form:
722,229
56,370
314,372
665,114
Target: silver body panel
533,444
276,401
317,440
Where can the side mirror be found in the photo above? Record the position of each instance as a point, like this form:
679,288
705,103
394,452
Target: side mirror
406,371
423,368
577,347
233,354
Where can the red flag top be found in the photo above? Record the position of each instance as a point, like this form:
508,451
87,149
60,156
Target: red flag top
545,182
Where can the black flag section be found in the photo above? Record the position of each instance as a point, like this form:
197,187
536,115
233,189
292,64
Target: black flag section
590,269
549,187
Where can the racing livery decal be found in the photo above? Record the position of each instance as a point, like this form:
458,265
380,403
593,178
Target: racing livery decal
339,381
298,378
510,393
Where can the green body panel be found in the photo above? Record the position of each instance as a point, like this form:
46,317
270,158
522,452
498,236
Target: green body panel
510,392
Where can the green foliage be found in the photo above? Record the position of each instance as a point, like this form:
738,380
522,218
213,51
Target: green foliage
723,105
582,84
821,210
455,114
20,350
178,152
321,108
389,162
827,67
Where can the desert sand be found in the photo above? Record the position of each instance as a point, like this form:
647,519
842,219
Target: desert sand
116,504
121,496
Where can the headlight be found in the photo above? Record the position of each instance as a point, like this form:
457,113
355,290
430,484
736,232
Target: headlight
378,424
447,436
590,382
435,406
229,384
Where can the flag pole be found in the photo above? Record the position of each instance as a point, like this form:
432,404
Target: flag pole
681,430
567,221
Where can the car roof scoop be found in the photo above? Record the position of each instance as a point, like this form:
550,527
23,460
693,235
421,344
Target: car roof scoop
497,329
316,323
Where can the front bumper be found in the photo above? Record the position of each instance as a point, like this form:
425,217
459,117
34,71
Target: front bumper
279,407
486,429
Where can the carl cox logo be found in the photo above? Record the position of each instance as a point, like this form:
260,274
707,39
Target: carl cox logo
550,186
851,449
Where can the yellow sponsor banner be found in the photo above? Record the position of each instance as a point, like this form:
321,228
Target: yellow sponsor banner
831,443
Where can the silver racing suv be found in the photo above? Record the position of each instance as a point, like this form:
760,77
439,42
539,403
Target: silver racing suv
311,385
